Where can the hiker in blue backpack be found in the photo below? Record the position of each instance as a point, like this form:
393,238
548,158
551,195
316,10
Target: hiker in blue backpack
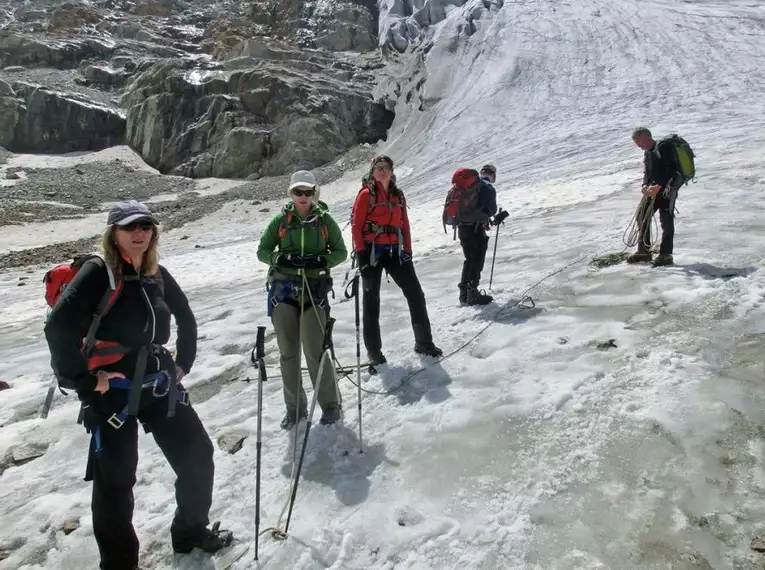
128,376
475,241
662,178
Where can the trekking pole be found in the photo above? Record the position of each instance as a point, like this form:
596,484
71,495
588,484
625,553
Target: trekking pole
354,286
316,389
257,358
498,220
493,257
49,398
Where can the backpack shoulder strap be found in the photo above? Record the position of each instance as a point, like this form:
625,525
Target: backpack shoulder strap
112,293
284,225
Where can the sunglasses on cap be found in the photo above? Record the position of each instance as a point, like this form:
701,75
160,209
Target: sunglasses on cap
300,192
143,225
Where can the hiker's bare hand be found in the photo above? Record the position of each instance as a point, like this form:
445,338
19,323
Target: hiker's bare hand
653,190
102,386
179,373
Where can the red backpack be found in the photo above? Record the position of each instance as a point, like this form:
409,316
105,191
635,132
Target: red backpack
461,206
57,279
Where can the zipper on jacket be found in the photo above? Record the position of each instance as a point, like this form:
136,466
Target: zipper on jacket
302,243
151,312
153,321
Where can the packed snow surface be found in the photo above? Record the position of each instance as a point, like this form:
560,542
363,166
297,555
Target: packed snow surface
540,443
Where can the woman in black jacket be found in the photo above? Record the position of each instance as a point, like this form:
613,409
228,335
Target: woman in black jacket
129,377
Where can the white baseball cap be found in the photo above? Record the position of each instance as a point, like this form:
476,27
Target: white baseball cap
302,178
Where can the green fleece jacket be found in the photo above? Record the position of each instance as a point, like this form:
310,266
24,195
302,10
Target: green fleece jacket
318,234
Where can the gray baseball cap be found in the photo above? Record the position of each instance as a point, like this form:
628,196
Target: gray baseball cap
129,211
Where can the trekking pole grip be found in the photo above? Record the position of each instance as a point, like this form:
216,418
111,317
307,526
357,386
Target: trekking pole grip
260,351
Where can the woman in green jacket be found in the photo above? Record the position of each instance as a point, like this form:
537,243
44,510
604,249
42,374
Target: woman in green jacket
301,244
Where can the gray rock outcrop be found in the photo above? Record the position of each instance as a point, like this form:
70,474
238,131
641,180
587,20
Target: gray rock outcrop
42,120
229,89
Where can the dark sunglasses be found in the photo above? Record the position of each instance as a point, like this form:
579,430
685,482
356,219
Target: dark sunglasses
143,226
383,168
299,192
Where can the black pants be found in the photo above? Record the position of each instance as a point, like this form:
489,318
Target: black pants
404,276
474,243
665,204
184,442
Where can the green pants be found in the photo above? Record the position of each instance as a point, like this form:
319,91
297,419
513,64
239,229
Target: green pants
286,320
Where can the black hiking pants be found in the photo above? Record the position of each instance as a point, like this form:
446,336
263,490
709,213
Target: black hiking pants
186,446
474,243
404,276
665,204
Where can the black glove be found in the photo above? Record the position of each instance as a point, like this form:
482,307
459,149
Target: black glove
290,261
500,217
90,418
363,259
314,261
406,256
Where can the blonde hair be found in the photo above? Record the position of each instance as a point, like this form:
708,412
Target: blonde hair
112,254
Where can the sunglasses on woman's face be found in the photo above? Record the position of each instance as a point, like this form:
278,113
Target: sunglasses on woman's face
299,192
143,226
383,168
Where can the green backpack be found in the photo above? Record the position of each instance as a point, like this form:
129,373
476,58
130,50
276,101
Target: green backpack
684,155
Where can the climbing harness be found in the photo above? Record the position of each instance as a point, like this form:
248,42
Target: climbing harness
160,384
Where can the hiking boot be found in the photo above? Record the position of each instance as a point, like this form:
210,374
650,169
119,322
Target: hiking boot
662,260
640,257
288,422
209,540
463,294
332,413
428,349
476,297
376,358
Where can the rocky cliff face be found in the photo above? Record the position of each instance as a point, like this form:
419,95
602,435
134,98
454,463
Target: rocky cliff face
230,89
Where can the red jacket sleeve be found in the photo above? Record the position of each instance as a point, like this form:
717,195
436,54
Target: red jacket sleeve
405,229
359,218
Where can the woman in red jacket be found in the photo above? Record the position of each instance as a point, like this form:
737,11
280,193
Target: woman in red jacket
382,240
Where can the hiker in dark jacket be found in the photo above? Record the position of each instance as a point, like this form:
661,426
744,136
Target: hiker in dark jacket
142,375
661,181
301,244
382,241
475,241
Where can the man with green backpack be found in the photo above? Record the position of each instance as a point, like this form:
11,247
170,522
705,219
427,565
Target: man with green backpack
668,165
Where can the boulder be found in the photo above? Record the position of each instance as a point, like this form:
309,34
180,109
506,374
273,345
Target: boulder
6,90
73,15
104,76
160,8
35,51
339,26
758,542
70,526
231,442
264,120
346,26
4,385
21,454
43,120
